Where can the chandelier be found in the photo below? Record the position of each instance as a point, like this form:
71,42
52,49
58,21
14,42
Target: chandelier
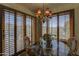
43,14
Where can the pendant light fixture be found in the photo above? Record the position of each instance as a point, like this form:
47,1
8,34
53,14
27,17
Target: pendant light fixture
43,14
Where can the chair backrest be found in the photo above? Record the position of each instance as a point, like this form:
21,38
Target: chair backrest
26,41
72,43
42,43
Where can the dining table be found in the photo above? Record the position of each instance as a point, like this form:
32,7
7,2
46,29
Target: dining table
58,47
63,49
39,49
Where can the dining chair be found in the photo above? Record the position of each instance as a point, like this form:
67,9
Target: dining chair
72,43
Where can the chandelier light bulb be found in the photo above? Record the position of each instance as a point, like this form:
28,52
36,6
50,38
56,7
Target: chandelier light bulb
47,12
39,12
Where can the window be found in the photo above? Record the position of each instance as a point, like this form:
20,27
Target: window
64,26
61,27
30,22
60,23
44,28
53,26
9,33
28,27
20,33
13,30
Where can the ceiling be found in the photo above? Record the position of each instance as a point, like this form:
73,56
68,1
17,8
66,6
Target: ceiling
30,8
34,6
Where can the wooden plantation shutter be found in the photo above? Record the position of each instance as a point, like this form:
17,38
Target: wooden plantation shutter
9,33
